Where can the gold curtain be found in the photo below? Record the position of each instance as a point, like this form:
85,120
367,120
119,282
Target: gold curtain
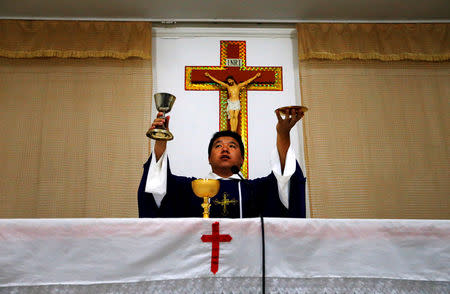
74,39
376,135
387,42
73,135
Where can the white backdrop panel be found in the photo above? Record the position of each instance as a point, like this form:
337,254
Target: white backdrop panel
195,115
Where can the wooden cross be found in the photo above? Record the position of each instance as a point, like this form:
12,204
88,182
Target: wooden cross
225,202
233,63
215,238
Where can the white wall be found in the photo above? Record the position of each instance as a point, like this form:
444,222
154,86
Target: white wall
195,115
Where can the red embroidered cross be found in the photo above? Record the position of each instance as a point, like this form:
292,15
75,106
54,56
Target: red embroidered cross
215,238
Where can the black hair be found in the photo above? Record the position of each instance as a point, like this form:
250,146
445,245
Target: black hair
231,134
231,77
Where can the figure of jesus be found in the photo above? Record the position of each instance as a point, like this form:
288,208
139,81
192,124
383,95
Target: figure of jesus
234,103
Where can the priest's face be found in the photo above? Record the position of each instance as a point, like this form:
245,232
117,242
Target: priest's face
225,153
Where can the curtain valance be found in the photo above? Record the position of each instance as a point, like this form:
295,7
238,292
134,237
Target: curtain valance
74,39
337,41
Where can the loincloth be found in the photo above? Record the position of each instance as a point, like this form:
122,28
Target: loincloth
233,105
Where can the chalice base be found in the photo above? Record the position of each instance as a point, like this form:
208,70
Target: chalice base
160,134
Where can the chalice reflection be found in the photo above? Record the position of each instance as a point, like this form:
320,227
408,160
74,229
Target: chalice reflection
163,103
205,188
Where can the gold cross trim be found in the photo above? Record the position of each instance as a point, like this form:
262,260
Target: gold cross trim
225,202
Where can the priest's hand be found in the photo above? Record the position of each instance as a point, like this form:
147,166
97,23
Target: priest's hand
160,145
285,124
160,121
284,127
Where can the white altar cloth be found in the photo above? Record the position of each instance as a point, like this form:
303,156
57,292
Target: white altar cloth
168,256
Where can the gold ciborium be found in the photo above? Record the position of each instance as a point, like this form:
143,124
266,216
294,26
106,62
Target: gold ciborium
205,188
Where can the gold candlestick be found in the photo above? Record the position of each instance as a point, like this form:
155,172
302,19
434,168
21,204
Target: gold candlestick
205,188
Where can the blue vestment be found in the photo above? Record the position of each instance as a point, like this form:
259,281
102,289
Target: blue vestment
259,197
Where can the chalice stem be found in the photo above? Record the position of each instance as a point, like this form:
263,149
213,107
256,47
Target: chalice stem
205,206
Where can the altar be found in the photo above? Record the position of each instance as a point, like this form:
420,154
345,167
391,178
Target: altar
191,256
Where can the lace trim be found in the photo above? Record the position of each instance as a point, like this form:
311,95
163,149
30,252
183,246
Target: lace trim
249,285
355,286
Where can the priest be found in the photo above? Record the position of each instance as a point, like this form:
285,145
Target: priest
280,194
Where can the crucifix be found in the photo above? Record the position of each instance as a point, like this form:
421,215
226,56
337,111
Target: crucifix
233,63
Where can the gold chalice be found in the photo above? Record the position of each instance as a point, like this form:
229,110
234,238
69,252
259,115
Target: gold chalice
205,188
163,103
